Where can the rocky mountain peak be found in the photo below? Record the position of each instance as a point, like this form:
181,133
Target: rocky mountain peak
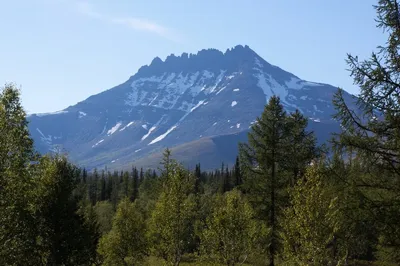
206,59
179,100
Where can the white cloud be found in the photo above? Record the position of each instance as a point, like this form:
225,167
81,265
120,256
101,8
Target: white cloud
133,23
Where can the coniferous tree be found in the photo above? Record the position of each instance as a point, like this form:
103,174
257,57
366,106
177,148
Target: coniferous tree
125,185
109,186
84,175
141,176
237,175
264,164
68,235
93,187
372,131
135,185
115,188
102,187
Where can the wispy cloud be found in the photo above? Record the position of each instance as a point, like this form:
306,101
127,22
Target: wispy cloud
137,24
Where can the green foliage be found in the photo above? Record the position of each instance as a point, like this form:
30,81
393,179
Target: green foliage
231,230
373,133
171,224
279,149
312,224
67,236
126,243
18,242
105,213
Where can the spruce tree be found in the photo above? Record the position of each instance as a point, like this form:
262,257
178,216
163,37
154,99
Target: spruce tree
237,173
135,185
68,235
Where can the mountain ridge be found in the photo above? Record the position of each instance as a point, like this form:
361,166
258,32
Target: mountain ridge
176,101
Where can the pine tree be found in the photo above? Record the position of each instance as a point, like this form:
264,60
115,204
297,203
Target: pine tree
237,175
102,187
302,147
372,131
125,185
93,187
115,189
68,236
135,185
141,176
265,163
109,186
197,175
84,176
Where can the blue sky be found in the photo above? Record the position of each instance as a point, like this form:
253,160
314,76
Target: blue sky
62,51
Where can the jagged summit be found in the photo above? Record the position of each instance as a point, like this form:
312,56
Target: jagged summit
209,59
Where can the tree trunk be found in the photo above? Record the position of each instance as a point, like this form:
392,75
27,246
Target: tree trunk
272,217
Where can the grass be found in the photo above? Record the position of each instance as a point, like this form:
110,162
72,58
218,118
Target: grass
190,260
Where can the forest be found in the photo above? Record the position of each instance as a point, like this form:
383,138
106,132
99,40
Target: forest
286,201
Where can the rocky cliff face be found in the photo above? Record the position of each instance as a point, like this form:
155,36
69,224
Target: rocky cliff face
180,100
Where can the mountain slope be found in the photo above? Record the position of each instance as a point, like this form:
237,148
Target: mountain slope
177,101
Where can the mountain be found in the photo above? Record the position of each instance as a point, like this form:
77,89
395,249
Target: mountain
201,104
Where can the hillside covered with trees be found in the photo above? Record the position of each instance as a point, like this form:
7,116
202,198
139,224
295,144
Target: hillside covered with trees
286,201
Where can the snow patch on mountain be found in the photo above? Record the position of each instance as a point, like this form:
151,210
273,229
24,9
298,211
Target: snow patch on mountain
218,81
100,141
271,87
220,90
114,129
43,137
196,106
82,114
128,125
52,113
298,84
315,119
258,63
161,137
153,127
148,133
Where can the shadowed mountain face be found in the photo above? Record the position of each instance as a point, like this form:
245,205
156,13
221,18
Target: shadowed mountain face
201,104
